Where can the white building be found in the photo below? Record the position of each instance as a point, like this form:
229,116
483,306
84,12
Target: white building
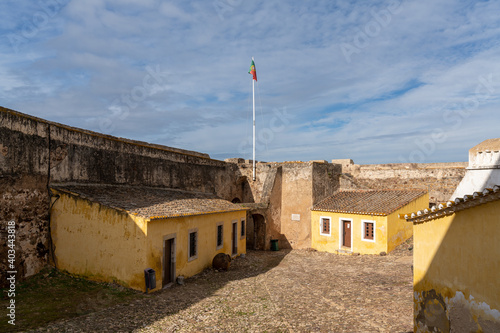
483,170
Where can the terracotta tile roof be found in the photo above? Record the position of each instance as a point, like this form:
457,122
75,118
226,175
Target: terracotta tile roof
374,202
453,206
149,202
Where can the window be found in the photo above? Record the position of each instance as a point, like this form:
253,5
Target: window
193,244
220,235
242,228
324,226
368,231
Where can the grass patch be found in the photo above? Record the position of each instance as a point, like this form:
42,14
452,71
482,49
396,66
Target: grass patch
51,295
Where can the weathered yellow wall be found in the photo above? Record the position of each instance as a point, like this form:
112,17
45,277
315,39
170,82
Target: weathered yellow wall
207,241
105,244
390,231
457,271
398,229
97,242
331,243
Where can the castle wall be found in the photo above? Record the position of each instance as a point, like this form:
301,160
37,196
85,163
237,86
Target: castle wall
296,203
326,180
24,202
24,196
439,179
289,190
35,152
303,185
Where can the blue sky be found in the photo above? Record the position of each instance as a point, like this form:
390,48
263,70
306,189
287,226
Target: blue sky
374,81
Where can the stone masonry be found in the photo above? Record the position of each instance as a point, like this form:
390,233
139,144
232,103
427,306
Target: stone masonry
36,153
439,179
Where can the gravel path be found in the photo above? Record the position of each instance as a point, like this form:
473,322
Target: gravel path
283,291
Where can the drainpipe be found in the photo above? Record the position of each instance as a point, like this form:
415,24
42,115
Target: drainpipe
51,243
51,204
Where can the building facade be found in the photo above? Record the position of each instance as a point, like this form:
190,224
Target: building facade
36,154
457,253
457,265
113,233
364,221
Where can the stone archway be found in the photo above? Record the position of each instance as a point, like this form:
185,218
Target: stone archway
259,232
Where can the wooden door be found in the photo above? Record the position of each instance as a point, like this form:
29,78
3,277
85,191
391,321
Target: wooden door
346,240
168,254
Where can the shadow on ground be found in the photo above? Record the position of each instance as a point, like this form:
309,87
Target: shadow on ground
145,311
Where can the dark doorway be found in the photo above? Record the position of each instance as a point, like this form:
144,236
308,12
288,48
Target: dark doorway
168,261
234,236
250,233
236,200
259,232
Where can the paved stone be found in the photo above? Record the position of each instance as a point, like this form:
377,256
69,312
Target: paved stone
283,291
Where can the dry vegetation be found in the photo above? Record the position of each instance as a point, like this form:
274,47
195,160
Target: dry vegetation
51,295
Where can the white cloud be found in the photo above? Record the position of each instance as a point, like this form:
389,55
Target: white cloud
395,90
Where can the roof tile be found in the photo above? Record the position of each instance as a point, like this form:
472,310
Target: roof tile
154,203
453,206
375,202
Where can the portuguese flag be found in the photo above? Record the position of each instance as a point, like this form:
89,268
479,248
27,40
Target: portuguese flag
253,71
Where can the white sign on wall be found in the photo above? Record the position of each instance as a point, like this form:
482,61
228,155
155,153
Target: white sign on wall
295,217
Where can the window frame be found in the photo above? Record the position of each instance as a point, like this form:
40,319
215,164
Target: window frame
321,218
217,246
195,256
363,229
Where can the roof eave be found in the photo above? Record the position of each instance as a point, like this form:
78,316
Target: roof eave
171,216
453,206
349,212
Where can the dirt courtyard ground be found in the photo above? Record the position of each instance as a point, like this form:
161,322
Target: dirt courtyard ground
283,291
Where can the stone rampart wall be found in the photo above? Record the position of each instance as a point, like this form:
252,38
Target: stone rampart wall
288,189
35,153
440,179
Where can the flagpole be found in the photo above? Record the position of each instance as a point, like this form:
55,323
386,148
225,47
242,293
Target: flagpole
253,93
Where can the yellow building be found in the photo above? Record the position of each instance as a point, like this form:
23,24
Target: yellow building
456,276
113,233
364,221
